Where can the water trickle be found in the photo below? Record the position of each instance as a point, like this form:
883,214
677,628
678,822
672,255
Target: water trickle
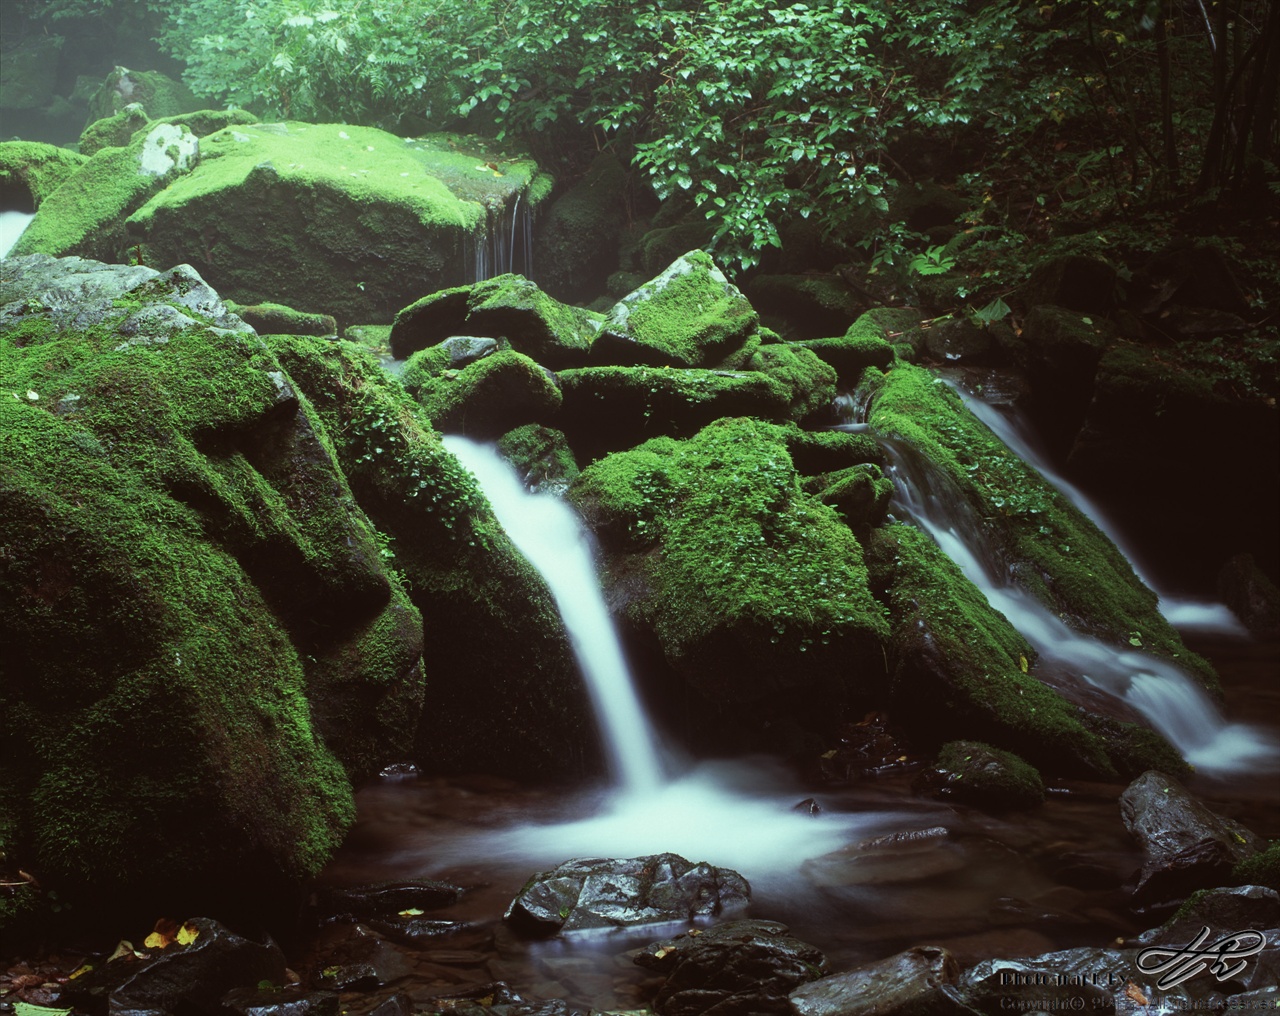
1164,695
12,225
503,244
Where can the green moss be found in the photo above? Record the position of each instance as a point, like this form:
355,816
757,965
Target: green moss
510,306
159,94
810,383
542,456
1260,869
35,168
859,494
851,354
1057,554
114,131
987,777
756,586
1134,749
488,397
276,317
961,668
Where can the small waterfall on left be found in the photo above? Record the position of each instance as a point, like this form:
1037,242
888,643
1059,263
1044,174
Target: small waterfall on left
12,225
547,532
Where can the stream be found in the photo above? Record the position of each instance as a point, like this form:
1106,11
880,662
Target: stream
860,867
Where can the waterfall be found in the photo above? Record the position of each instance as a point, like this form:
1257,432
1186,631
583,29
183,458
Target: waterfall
1169,699
504,243
1011,428
552,539
12,225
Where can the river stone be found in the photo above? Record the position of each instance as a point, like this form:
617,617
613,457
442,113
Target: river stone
1054,980
429,320
1185,845
733,969
982,776
385,899
689,316
290,1000
489,397
907,984
603,893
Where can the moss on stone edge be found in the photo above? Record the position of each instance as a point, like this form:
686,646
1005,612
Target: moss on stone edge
1261,869
987,777
36,167
810,383
959,664
266,318
1056,553
757,587
489,396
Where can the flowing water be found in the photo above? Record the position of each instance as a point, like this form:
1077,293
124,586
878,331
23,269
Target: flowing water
504,245
12,225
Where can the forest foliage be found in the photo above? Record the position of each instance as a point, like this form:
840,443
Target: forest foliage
762,112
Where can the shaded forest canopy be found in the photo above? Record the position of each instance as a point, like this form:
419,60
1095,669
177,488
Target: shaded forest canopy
766,114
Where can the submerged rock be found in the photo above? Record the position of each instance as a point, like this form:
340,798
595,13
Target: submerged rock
599,893
732,969
983,776
1185,845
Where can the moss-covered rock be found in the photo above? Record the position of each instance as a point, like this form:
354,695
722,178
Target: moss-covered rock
429,320
267,318
813,305
1263,868
542,456
113,131
186,569
578,237
809,381
860,494
1054,552
609,409
663,244
754,591
157,93
862,346
689,316
85,216
503,692
510,306
488,397
30,171
827,451
983,776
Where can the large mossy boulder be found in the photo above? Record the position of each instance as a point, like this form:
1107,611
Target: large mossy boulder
157,93
511,307
30,171
754,591
203,645
503,692
486,398
688,316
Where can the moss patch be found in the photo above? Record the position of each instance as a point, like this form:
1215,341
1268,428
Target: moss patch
985,777
30,171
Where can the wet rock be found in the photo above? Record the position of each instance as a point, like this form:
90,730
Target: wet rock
908,984
892,859
982,776
1084,284
959,340
689,316
489,397
577,242
288,1001
398,1004
808,807
732,969
495,998
351,977
1223,910
1189,277
467,349
555,334
542,456
429,321
850,354
385,899
1054,980
1185,845
601,893
1251,595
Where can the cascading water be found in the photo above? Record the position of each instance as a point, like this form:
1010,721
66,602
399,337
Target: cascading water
738,814
1167,697
12,225
1012,429
504,244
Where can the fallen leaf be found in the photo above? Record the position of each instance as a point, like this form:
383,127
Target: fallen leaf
1134,994
122,950
412,912
80,971
187,934
162,935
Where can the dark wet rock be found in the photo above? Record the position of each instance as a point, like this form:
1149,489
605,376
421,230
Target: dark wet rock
542,456
489,397
732,969
495,998
1188,277
577,243
1056,979
601,893
1185,845
863,748
351,977
982,776
429,321
960,340
385,899
908,984
398,1004
809,807
1251,595
414,930
182,978
1073,281
1222,910
287,1001
1262,869
610,409
891,859
467,349
689,316
812,305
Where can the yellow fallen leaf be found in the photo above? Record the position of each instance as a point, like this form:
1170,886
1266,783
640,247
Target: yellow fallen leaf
156,941
187,934
80,971
1022,664
412,912
122,950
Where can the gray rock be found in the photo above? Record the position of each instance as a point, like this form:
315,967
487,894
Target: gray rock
908,984
604,893
1185,845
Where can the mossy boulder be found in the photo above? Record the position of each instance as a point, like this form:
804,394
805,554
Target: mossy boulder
113,131
1054,552
429,320
665,243
486,398
689,316
812,305
1263,868
960,668
577,244
810,382
157,93
860,494
30,171
609,409
985,777
85,216
188,589
755,592
511,307
266,318
503,691
542,456
862,346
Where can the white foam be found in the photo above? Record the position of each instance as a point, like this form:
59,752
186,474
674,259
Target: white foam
12,225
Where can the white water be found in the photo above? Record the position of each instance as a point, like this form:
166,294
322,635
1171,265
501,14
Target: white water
738,814
505,244
1182,613
12,225
1165,696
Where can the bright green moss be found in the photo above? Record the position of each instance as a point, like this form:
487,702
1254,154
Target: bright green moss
277,318
542,456
1057,554
1260,869
36,168
489,396
756,586
810,383
113,131
510,306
